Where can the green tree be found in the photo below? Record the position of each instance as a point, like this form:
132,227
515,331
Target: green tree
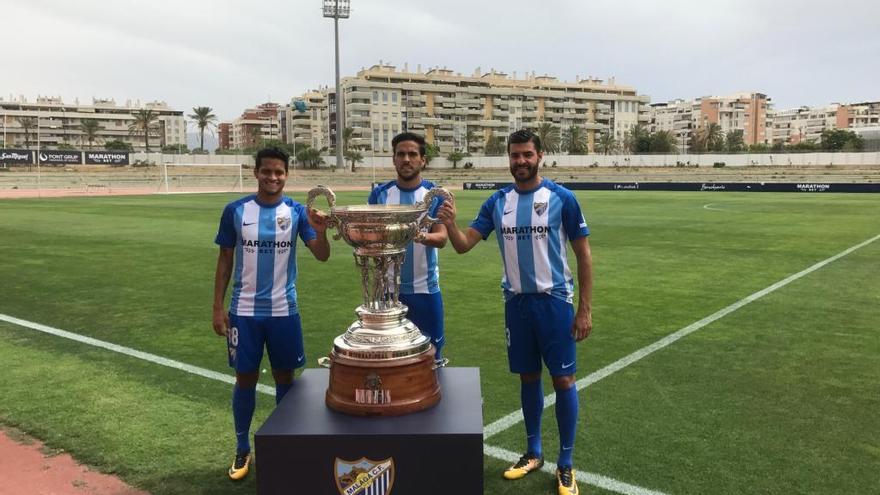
470,138
117,145
89,129
637,139
607,143
310,157
494,146
145,121
177,149
734,141
347,133
457,156
204,119
431,151
662,142
549,136
759,148
841,140
27,125
574,140
65,146
708,138
355,157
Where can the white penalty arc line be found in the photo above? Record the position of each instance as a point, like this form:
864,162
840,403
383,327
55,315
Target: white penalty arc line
708,206
513,418
128,351
496,452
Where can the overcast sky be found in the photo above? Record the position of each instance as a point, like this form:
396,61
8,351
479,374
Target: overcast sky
232,54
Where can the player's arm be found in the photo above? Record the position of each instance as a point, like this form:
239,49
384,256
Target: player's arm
583,319
461,241
319,246
436,238
221,283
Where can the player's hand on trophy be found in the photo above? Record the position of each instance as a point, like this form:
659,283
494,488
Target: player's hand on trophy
318,220
446,212
221,322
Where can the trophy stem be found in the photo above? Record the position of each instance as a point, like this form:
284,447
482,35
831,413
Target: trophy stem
380,279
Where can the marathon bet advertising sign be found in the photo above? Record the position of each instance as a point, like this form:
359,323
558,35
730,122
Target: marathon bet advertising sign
61,157
23,157
107,157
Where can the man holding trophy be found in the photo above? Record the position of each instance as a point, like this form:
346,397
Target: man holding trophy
419,275
257,239
533,220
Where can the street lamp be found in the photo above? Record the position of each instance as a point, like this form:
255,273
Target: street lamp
338,9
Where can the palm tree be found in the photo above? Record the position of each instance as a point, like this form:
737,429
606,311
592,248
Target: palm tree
346,138
355,157
709,138
574,141
89,129
663,142
144,121
607,143
470,138
203,119
494,146
311,157
27,125
734,140
637,139
549,136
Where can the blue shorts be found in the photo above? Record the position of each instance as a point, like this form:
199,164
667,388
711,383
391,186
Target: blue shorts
281,335
426,311
539,327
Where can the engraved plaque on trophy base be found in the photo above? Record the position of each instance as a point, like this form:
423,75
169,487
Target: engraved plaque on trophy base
383,388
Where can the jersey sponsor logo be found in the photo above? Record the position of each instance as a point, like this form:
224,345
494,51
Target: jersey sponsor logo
540,208
264,244
283,223
525,232
364,476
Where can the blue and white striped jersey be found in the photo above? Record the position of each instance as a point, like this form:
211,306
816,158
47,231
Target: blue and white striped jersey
419,273
264,238
533,228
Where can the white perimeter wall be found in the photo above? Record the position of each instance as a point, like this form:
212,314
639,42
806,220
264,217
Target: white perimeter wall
734,160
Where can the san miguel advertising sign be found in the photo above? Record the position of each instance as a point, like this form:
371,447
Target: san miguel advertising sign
61,157
16,156
107,157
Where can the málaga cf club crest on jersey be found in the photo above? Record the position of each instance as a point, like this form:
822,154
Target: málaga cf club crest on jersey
364,476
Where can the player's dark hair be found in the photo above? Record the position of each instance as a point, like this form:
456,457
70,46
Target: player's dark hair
409,136
271,152
524,136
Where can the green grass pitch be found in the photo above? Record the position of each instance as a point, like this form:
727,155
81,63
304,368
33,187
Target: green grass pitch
779,397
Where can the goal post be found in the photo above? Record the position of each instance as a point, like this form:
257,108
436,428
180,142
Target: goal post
198,177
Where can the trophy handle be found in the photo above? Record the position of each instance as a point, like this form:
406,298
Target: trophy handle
331,201
435,192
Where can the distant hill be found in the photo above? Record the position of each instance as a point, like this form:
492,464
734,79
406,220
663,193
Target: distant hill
211,141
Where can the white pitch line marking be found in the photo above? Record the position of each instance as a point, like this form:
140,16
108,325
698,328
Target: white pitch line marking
515,417
128,351
708,206
497,452
588,478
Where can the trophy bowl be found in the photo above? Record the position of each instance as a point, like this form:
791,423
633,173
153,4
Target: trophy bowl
382,365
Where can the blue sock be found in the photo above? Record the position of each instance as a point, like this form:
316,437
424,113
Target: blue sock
280,391
532,397
566,418
244,401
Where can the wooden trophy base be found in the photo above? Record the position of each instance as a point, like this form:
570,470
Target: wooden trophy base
382,387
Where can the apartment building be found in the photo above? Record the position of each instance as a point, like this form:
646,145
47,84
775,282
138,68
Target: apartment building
807,123
303,121
747,112
456,112
50,122
254,125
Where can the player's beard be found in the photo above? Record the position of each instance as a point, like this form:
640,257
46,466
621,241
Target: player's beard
532,169
405,175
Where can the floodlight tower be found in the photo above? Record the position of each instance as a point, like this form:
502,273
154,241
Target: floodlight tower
338,9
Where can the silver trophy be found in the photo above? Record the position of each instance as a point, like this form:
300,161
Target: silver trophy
383,364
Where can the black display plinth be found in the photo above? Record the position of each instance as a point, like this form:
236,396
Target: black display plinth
303,446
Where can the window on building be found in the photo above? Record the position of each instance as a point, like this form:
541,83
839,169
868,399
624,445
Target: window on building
394,97
375,97
384,97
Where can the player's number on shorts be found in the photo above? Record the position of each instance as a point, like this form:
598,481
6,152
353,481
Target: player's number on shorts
233,336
